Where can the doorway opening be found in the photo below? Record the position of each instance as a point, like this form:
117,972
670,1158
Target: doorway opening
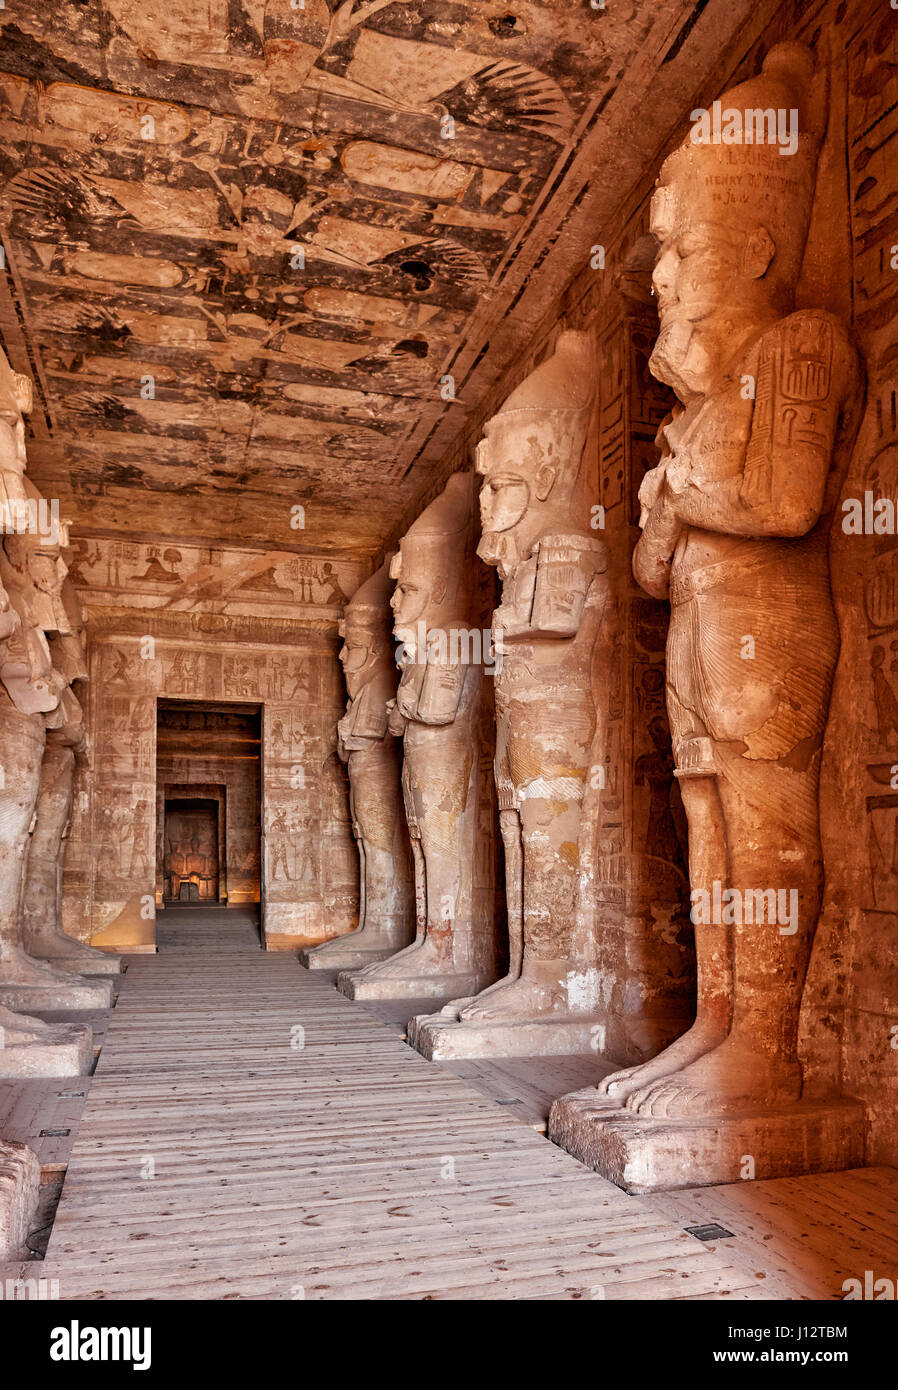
190,862
208,804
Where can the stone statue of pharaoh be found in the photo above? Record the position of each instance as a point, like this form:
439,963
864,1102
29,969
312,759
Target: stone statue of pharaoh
28,1047
436,710
30,690
735,523
536,511
42,929
372,757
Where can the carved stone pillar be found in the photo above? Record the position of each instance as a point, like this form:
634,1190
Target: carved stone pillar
437,708
373,760
42,930
536,512
30,688
735,524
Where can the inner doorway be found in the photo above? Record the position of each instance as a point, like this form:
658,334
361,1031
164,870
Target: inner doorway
190,862
208,804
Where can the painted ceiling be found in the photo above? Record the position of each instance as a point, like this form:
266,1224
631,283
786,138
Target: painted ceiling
248,241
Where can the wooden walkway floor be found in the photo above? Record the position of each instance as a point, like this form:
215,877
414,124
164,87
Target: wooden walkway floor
217,1158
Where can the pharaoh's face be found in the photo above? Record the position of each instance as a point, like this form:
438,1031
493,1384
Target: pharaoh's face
705,273
504,497
48,570
9,618
355,655
695,268
12,438
409,601
67,651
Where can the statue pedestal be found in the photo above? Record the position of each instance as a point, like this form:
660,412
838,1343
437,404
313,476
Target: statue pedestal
341,954
74,963
440,988
75,992
48,1050
20,1181
444,1039
658,1155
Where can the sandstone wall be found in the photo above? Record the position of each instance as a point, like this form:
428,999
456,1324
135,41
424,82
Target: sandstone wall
241,627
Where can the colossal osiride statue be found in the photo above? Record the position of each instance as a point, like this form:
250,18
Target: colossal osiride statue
372,756
437,706
735,521
31,575
42,930
32,690
535,507
28,1047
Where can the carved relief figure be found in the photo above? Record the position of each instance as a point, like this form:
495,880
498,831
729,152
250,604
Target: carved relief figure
141,836
277,835
436,711
371,755
535,509
735,522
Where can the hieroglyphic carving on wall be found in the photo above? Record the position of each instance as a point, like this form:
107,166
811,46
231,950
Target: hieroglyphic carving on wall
305,819
234,582
645,953
856,977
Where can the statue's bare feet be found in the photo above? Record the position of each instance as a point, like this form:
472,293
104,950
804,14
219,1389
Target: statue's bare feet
732,1077
452,1010
66,953
694,1043
350,939
362,939
516,999
423,957
376,967
17,1030
22,969
455,1008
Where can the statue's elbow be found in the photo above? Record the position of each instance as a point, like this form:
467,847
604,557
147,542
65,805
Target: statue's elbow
654,579
797,520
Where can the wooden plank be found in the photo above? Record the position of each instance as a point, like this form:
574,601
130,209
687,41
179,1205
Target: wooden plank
28,1108
806,1234
351,1166
529,1085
